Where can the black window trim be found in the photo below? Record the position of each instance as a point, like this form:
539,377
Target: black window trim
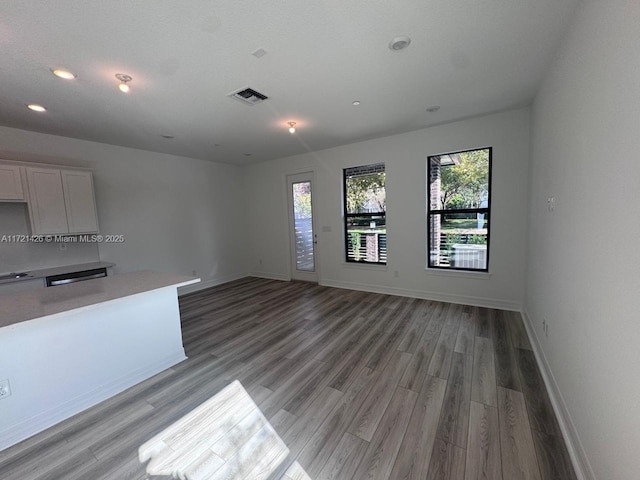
348,215
486,211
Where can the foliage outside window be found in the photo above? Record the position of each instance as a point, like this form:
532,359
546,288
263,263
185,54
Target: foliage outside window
458,210
365,205
302,200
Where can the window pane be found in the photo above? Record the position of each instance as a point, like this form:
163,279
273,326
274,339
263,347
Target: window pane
367,239
458,210
365,204
459,180
365,189
458,240
303,226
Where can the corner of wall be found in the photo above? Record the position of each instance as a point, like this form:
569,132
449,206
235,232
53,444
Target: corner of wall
581,465
270,276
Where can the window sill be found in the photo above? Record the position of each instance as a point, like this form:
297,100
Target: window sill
438,272
366,266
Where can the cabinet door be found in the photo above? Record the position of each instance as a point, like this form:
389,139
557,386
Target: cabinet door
46,201
11,183
79,199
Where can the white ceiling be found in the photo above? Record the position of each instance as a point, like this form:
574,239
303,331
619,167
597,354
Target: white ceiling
468,56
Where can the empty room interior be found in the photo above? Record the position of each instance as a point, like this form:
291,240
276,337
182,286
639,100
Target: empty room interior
319,240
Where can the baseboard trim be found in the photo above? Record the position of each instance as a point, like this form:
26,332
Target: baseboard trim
210,283
437,296
36,424
575,448
271,276
402,292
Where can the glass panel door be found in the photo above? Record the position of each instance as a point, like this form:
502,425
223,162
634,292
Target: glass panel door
303,226
302,234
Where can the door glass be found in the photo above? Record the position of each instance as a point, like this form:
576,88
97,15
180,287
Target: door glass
303,226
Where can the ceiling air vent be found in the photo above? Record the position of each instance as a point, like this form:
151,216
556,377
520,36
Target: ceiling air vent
248,96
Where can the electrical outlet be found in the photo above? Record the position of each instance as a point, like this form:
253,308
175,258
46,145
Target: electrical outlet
551,203
5,389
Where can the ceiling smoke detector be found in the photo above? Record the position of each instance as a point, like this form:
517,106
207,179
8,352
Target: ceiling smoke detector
399,43
248,96
259,53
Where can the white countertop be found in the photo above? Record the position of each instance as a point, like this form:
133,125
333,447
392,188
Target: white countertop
29,305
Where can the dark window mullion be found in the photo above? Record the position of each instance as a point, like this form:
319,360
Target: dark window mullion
434,174
355,215
460,210
350,173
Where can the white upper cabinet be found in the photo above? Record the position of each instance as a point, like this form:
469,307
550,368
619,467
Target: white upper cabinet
11,183
79,200
61,201
46,201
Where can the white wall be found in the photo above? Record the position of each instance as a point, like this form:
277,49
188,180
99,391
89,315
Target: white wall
177,214
584,261
405,158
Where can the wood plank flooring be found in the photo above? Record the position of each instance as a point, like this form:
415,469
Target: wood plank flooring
357,385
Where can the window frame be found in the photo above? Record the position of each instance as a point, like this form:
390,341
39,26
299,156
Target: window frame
485,210
347,215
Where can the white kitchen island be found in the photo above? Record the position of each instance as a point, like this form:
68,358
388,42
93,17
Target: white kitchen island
66,348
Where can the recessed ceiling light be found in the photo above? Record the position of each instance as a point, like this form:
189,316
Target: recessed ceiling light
62,73
36,108
355,103
399,43
433,109
292,127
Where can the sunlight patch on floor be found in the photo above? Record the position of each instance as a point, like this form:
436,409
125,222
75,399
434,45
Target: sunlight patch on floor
225,437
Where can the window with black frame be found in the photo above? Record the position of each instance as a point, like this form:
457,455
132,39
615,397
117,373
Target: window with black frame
365,217
459,210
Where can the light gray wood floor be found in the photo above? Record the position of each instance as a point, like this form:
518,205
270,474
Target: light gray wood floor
358,385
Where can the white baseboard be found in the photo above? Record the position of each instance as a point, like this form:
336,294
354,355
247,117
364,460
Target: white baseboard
437,296
402,292
271,276
575,448
210,283
20,431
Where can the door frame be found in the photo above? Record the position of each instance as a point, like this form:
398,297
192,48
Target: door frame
289,179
